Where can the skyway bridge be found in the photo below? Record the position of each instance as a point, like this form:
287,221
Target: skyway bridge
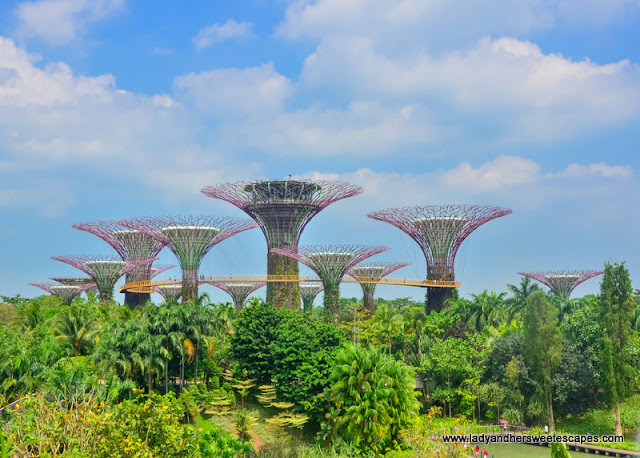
148,286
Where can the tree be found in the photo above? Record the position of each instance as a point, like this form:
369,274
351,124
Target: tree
374,397
76,328
386,323
520,293
543,344
487,309
616,313
303,350
255,330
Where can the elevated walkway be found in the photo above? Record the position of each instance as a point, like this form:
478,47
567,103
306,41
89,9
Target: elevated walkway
148,286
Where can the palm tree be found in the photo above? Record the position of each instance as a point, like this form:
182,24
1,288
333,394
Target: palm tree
520,294
386,322
488,309
416,319
166,322
77,328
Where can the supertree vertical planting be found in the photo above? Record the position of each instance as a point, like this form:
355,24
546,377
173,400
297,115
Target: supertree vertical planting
170,292
104,270
284,208
372,271
308,293
131,245
331,263
439,230
190,238
239,291
66,292
562,282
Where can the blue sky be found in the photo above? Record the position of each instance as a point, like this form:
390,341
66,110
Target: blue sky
122,108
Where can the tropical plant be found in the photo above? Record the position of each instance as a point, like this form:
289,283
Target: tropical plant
374,398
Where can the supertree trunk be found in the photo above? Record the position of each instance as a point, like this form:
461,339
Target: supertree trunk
435,298
331,302
189,285
106,296
307,304
284,294
134,300
368,302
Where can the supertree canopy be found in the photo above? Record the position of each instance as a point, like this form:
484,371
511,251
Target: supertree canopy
331,263
284,208
564,281
372,271
170,292
190,238
239,291
66,292
131,245
87,283
104,270
439,230
308,292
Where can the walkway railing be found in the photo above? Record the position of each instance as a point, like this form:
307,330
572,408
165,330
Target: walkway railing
148,286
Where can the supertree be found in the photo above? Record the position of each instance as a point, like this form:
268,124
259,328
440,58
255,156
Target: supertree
284,208
372,272
239,291
308,292
86,282
104,270
131,245
439,230
66,292
170,292
190,238
562,282
331,263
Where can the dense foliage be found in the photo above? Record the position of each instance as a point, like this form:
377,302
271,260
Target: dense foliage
201,379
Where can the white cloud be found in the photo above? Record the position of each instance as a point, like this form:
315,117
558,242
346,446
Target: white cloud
441,23
255,91
24,84
510,181
609,171
61,21
502,172
531,95
217,33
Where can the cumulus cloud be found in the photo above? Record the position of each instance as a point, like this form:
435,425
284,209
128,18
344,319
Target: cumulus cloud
23,84
602,169
443,23
249,91
502,172
217,33
531,95
61,21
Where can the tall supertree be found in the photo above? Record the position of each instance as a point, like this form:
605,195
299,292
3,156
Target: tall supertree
239,291
170,292
308,293
131,245
284,208
190,238
562,282
370,272
331,263
104,270
66,292
439,230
